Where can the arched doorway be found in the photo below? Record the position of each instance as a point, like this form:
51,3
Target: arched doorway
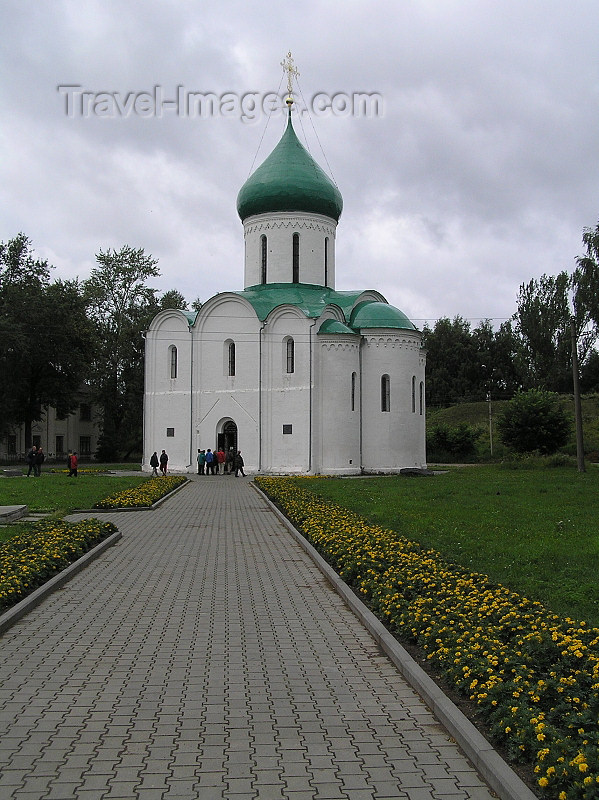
228,437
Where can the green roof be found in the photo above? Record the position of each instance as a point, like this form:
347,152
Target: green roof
333,326
379,315
311,300
289,180
191,317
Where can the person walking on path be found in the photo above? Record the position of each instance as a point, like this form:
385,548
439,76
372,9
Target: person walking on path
154,463
30,459
73,465
163,462
239,464
39,460
230,462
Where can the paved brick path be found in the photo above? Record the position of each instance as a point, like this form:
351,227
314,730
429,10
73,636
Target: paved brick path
204,656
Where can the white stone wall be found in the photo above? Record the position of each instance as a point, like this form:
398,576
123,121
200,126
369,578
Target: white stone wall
167,402
337,424
279,228
394,439
287,398
218,397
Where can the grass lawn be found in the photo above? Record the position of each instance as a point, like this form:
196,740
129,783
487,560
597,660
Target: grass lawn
535,531
58,494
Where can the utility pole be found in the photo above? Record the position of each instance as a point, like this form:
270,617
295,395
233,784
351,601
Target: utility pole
490,421
484,366
577,406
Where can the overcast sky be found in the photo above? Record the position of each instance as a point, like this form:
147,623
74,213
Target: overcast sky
478,173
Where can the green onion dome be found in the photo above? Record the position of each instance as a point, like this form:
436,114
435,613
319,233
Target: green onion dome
289,180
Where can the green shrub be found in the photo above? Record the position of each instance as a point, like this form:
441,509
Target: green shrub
534,421
451,443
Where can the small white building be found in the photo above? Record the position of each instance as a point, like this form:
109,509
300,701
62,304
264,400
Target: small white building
298,376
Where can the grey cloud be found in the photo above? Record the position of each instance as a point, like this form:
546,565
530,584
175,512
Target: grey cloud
481,173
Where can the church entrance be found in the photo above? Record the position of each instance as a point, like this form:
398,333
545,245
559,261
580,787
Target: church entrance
228,437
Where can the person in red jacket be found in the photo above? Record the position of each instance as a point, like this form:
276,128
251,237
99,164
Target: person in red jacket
221,458
73,463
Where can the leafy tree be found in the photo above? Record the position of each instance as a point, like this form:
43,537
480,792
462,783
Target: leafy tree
534,421
586,277
543,325
172,299
45,338
502,359
589,373
453,365
465,364
585,284
122,305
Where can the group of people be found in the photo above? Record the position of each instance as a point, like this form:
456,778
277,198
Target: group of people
210,462
220,463
35,458
159,461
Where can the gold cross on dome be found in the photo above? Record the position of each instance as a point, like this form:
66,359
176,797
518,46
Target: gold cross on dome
291,70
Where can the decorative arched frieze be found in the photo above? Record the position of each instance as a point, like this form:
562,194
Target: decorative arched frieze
339,344
390,341
265,225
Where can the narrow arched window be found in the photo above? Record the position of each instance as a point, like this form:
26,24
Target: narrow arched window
295,260
326,260
353,391
173,361
413,394
385,393
231,358
263,258
290,355
421,397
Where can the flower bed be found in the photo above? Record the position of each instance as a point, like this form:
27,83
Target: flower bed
144,495
533,675
29,559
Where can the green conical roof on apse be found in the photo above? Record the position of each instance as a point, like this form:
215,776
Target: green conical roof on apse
289,180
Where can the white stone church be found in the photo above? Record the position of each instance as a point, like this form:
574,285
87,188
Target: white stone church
300,377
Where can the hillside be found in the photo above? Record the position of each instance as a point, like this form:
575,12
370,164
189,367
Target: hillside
477,415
